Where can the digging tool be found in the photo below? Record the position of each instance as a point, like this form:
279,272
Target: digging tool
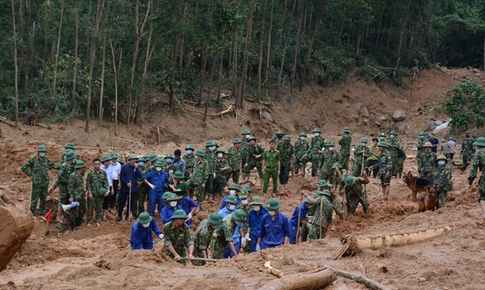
321,208
299,213
158,241
200,259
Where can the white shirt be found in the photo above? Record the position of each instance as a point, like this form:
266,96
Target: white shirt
115,170
108,173
452,146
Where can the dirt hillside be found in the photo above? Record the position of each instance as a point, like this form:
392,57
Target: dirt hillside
100,258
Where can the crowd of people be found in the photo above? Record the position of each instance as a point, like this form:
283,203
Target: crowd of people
173,187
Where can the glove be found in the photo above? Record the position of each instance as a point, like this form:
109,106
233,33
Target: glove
160,236
214,174
243,242
258,248
151,185
247,237
309,225
74,204
189,216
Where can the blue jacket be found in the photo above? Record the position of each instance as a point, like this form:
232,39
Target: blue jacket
294,217
167,213
159,180
141,238
224,212
129,173
273,232
187,205
254,221
224,203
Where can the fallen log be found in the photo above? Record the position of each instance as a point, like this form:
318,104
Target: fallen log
273,271
228,110
359,278
310,280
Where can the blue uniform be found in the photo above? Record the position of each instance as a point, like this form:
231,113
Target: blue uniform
274,231
224,203
167,213
155,195
294,220
187,205
254,222
141,238
224,212
128,174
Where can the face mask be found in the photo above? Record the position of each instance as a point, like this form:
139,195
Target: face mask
173,203
256,207
141,163
381,138
421,137
220,155
316,134
363,144
169,160
158,169
73,162
247,136
145,225
392,136
331,148
238,222
441,163
42,154
232,207
189,151
353,149
212,148
113,162
271,212
244,201
195,156
427,150
232,192
302,138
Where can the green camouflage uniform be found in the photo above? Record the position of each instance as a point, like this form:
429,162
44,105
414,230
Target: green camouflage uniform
221,177
224,235
478,163
190,162
321,218
199,177
317,144
271,169
328,159
248,158
444,183
361,154
345,143
385,167
210,159
466,152
77,193
202,239
246,208
63,160
142,192
179,239
172,168
286,154
94,181
428,170
356,194
445,150
394,145
339,183
62,182
420,147
235,159
301,148
40,180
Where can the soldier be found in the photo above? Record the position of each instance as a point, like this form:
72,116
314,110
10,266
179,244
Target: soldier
178,182
96,185
189,161
395,144
287,159
271,164
69,147
361,154
235,159
199,176
253,157
329,157
382,137
445,149
345,143
36,167
278,137
275,227
205,234
336,204
77,193
385,169
419,145
244,206
301,147
62,181
143,164
466,151
339,175
233,191
315,150
210,158
373,158
222,171
246,134
428,162
141,232
224,245
169,168
171,205
105,166
354,193
254,220
300,212
156,180
188,205
322,215
443,182
478,163
178,237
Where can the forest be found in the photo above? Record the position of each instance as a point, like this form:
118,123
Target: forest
116,60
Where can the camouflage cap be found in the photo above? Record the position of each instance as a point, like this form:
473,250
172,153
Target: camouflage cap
427,145
302,133
442,157
317,130
69,145
382,144
246,132
236,141
346,130
286,138
41,148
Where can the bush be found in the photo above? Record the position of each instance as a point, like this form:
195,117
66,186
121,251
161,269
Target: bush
465,105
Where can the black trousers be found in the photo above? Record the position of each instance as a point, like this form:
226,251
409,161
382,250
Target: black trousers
123,200
113,198
375,168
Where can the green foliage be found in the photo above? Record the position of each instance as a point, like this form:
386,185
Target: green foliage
465,105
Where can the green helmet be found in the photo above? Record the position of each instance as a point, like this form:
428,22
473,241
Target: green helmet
393,132
247,188
159,163
244,194
200,153
120,161
252,138
382,144
234,186
308,201
317,130
479,142
427,145
422,133
168,155
70,155
302,133
256,200
172,197
189,147
105,158
322,183
79,164
239,215
208,143
220,150
152,157
442,157
323,192
273,204
246,132
443,140
179,214
227,152
236,141
363,140
178,174
166,195
232,199
382,135
114,155
103,190
215,219
336,165
286,138
330,144
69,145
451,138
279,132
132,156
349,180
41,148
144,218
346,130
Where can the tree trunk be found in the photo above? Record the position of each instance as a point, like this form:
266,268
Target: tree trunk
54,82
261,44
307,60
101,93
286,43
298,39
207,100
202,81
15,61
76,49
148,55
234,71
484,52
400,39
115,74
242,83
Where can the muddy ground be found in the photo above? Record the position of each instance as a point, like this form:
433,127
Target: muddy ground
100,258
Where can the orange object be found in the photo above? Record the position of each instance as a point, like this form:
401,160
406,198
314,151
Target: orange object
48,216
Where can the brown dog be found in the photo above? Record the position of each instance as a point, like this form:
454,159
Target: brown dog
430,201
416,184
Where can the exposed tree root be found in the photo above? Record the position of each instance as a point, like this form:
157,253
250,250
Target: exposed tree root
310,280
